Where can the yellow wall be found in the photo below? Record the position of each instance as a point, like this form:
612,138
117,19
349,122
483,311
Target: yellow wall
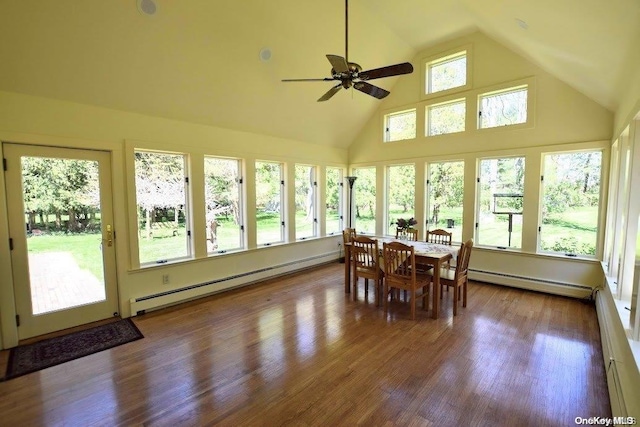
33,120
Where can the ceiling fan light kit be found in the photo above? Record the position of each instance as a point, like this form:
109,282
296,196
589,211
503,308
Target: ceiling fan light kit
349,74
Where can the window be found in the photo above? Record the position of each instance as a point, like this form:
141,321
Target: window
269,203
501,187
306,217
222,190
503,108
446,118
401,181
446,72
364,191
571,188
162,207
333,194
400,125
445,187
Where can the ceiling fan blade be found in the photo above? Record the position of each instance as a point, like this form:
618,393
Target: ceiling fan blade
326,79
330,93
338,63
370,89
388,71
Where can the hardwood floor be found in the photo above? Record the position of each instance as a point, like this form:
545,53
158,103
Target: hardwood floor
299,351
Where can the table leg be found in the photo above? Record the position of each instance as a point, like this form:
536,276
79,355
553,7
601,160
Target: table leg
436,290
347,269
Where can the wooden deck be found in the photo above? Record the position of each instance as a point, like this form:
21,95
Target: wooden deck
299,351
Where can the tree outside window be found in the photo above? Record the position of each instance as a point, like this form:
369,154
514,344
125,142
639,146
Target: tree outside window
365,199
571,184
501,189
269,203
306,217
445,186
400,194
161,206
224,228
333,212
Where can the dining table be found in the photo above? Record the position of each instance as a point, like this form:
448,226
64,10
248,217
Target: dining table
426,253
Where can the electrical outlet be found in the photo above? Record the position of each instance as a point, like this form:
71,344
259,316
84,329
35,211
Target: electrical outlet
165,279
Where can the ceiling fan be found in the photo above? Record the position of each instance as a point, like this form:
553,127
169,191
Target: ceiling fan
349,74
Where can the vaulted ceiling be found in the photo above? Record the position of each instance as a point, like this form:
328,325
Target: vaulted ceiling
199,60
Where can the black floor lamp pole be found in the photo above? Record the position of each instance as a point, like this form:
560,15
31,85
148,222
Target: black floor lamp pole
351,180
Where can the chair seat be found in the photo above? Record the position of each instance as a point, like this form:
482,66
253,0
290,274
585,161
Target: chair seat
445,274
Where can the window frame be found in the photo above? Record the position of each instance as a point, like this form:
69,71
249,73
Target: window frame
341,199
389,228
529,83
314,196
427,121
385,124
283,206
427,199
442,57
241,203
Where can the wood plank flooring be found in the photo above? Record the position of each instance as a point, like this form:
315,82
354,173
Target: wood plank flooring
298,351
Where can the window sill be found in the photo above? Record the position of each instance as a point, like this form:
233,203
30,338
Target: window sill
537,254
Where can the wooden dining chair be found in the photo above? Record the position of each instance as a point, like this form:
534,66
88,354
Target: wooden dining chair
366,264
400,273
440,236
458,279
410,234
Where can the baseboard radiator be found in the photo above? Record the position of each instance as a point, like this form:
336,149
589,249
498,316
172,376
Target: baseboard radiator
142,304
623,375
531,283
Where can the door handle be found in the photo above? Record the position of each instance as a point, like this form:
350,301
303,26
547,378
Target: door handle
109,238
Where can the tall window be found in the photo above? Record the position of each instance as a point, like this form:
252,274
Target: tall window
333,188
162,207
269,203
445,186
503,108
306,205
571,183
446,118
400,125
223,194
364,196
446,73
500,188
400,195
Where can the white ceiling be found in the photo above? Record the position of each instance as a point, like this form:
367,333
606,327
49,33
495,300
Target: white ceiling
198,60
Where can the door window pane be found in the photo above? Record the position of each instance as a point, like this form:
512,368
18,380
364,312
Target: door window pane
161,206
269,202
64,239
400,195
306,218
333,187
364,195
571,203
223,203
500,202
445,188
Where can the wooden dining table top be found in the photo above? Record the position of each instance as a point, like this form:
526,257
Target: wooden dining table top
425,249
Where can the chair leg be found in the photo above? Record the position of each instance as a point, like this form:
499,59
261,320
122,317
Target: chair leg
464,293
413,304
455,300
385,293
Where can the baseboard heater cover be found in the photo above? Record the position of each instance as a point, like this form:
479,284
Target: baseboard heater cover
531,283
141,304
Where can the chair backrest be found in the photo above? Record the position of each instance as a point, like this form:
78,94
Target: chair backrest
440,236
348,234
399,262
365,253
407,234
462,263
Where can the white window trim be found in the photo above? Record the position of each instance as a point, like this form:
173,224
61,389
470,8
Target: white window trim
426,62
398,111
530,84
462,100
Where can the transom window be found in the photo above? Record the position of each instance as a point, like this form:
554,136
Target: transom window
446,118
400,125
503,108
446,73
